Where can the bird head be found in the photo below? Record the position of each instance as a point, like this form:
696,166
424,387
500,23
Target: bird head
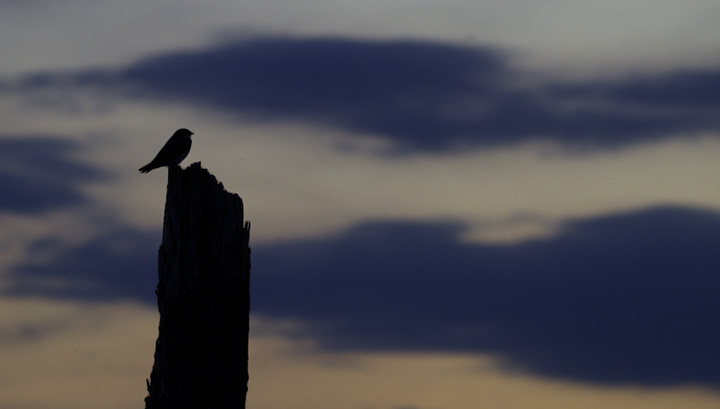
183,132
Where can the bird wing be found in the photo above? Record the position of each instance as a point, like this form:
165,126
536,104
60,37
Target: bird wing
173,152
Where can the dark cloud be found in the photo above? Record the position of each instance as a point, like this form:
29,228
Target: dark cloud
39,173
623,299
691,89
117,265
626,299
420,95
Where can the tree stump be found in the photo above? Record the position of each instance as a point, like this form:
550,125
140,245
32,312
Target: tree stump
203,294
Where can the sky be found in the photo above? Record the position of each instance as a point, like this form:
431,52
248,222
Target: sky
454,204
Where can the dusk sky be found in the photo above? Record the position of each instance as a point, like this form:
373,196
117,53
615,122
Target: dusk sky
454,204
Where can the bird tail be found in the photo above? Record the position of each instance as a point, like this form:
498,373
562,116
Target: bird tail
147,168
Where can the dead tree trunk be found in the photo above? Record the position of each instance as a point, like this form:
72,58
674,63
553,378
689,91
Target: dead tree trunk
203,293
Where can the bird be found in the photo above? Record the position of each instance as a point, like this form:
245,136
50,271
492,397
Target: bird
174,151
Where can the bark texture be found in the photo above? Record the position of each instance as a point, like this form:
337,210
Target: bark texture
203,293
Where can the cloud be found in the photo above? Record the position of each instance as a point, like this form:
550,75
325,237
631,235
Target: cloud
424,96
621,299
690,89
38,173
114,266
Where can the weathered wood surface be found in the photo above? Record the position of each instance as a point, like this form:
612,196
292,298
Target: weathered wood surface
201,354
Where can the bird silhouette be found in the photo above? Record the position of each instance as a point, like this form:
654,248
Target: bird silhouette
174,151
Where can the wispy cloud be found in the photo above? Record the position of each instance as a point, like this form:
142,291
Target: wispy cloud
113,266
421,95
39,173
619,299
